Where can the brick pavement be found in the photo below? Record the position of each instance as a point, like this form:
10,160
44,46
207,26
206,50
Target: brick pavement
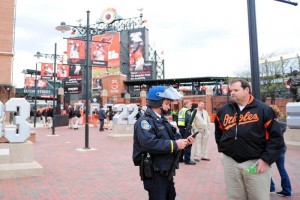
107,173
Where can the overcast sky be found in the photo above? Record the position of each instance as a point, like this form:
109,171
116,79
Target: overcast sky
207,39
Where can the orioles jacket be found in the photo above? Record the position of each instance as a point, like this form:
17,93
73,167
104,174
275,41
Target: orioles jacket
252,133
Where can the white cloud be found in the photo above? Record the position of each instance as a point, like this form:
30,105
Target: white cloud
199,38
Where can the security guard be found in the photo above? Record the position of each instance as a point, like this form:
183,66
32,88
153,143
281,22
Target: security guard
184,117
156,143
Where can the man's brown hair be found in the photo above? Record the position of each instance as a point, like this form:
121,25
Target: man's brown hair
244,83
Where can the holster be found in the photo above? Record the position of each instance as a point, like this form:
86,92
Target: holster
146,167
142,168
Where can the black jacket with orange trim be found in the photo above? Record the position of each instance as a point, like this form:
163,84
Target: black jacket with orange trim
248,134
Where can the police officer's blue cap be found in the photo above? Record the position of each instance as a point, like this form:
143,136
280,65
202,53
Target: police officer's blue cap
157,93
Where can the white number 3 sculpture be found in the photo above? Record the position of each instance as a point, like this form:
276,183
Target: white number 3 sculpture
20,130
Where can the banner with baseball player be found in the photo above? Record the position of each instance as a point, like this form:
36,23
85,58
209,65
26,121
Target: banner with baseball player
62,71
105,56
47,71
76,51
136,49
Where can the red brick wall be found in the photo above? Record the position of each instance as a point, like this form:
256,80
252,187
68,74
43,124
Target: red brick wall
215,102
6,94
281,103
114,84
7,12
219,101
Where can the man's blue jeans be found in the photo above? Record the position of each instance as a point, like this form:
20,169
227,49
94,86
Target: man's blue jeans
285,180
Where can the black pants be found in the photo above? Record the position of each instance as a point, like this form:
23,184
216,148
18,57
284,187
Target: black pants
187,153
101,124
160,188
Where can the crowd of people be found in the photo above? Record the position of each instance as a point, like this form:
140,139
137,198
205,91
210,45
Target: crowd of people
104,117
75,116
43,115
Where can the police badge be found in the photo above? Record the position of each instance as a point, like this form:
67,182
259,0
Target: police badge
145,125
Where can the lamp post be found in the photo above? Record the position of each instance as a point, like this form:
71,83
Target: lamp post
35,90
87,32
288,2
54,57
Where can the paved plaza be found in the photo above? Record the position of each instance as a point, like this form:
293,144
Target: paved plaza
106,172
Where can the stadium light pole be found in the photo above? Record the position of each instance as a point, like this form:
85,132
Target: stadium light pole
54,57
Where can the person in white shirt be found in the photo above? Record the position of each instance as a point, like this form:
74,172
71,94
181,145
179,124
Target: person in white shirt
201,123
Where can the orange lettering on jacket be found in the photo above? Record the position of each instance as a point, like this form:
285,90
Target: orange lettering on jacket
230,121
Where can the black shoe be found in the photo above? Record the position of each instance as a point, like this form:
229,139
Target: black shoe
206,159
197,159
190,163
283,194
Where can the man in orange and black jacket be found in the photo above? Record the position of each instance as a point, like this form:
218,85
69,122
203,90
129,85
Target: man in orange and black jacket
246,133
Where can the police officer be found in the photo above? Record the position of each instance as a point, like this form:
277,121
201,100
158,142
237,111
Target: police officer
184,117
156,143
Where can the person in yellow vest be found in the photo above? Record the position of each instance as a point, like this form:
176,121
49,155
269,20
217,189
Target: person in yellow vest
184,116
